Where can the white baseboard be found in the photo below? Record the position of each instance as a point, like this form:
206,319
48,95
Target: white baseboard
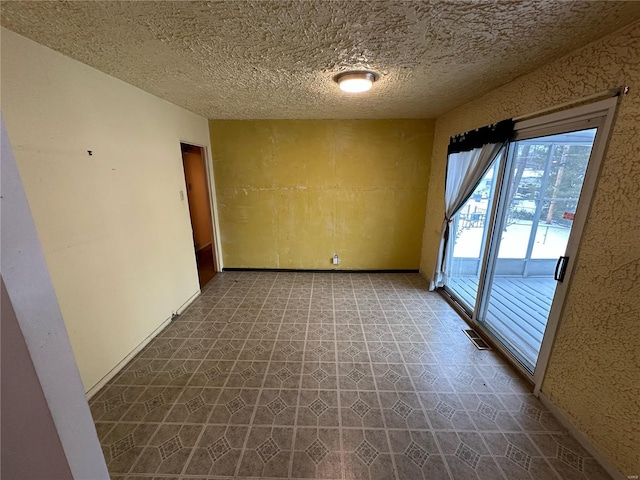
115,370
579,436
189,301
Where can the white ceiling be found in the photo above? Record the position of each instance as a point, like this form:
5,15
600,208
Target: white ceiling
239,59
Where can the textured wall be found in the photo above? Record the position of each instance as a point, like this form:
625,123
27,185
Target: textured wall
115,234
594,371
291,193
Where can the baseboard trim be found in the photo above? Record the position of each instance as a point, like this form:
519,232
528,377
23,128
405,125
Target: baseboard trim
115,370
305,270
581,438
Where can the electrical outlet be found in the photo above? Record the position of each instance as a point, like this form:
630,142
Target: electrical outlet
336,259
174,314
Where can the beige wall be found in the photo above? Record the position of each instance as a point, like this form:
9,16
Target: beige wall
34,302
115,234
594,370
291,193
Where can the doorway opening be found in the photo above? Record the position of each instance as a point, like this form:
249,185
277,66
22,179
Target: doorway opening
196,179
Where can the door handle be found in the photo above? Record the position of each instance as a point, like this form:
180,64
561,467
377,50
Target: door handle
561,269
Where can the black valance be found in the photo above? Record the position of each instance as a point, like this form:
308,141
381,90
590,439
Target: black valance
497,133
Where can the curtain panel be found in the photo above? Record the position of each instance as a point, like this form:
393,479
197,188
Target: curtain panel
469,156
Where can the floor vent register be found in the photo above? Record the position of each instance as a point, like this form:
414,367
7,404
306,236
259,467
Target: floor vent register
476,339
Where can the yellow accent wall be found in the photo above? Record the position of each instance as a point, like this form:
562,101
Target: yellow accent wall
594,370
291,193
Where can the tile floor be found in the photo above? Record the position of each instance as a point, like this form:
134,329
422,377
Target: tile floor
326,376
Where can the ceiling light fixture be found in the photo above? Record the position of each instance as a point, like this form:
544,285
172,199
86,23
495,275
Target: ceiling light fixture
355,82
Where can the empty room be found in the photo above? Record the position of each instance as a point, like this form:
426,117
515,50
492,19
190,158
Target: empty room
286,239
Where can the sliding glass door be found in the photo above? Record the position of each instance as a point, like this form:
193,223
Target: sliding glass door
537,207
515,239
469,234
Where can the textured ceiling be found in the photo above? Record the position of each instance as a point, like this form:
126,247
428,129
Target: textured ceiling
275,59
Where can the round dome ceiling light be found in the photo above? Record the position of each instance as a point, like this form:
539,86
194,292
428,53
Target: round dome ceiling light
355,82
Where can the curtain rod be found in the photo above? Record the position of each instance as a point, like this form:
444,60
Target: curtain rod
612,92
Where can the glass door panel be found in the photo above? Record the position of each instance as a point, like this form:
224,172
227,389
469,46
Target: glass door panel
542,187
469,233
